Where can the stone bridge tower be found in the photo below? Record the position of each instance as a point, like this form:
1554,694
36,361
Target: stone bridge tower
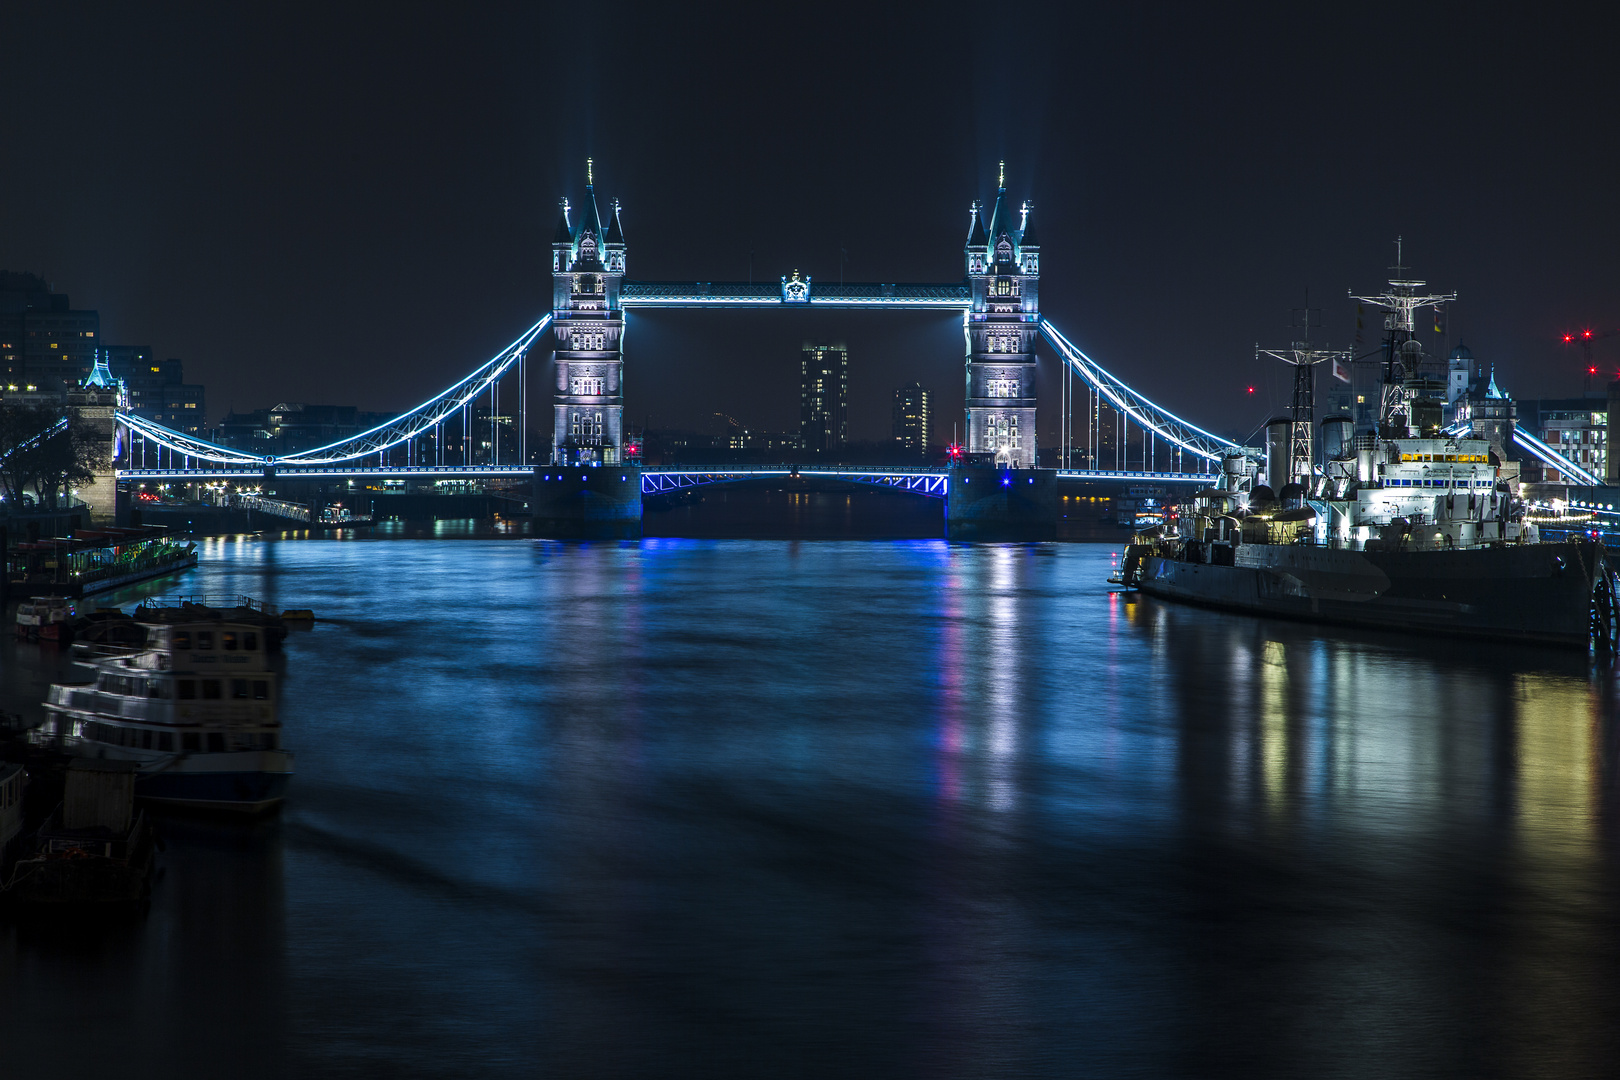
587,267
1003,269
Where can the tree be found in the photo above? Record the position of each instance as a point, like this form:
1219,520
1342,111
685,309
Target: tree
43,451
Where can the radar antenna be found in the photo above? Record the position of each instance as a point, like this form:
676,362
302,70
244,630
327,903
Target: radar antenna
1303,357
1402,350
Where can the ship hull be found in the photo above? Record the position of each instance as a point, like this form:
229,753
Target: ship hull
1538,593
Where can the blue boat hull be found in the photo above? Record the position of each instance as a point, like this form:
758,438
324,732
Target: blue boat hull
244,791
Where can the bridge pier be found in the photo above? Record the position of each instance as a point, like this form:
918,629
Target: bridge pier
587,502
989,503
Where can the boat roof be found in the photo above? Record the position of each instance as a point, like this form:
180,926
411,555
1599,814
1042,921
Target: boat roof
93,538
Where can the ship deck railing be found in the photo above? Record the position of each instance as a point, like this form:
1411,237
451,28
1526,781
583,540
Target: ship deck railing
217,602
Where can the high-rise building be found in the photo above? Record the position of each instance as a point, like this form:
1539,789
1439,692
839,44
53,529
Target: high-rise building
823,398
587,266
1003,267
157,388
911,418
43,341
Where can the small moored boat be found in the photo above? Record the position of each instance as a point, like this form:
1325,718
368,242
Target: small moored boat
195,708
95,849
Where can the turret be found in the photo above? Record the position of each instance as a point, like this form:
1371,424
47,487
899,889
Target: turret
562,241
613,244
977,243
1029,245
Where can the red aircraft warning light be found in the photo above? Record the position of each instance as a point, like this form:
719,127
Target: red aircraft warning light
954,451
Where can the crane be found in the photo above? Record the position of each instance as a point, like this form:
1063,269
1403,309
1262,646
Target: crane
1585,338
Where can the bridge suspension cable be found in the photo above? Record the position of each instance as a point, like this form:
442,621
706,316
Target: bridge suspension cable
1157,419
34,440
1548,456
401,429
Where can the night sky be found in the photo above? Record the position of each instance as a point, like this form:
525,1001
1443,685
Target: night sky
354,206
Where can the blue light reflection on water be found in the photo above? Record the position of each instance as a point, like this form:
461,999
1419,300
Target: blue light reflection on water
718,807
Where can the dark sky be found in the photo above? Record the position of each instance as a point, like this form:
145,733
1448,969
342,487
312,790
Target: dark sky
353,205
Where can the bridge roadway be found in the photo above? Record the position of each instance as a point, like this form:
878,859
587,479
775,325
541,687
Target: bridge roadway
920,479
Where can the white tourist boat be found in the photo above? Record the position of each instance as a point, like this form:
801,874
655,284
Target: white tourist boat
196,708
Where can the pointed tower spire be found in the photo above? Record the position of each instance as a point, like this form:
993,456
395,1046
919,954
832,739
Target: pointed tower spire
615,232
976,236
1027,237
1001,216
564,233
589,220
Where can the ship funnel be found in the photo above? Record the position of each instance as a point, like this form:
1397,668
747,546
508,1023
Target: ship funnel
1278,433
1235,466
1336,435
1366,446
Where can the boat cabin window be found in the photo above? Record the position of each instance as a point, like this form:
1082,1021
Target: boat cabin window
165,741
216,742
118,684
210,689
188,740
261,690
182,639
227,640
250,641
156,688
205,641
185,689
239,689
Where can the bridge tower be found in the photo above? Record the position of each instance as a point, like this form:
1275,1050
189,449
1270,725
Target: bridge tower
1003,269
587,268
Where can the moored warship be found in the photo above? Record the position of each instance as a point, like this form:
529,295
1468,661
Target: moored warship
1407,525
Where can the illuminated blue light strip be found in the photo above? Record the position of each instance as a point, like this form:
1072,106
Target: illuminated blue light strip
408,425
34,440
1190,437
1208,479
1549,456
925,482
306,472
698,301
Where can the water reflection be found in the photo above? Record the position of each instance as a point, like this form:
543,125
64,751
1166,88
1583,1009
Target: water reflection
705,807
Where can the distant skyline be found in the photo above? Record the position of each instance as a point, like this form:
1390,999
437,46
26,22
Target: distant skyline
356,210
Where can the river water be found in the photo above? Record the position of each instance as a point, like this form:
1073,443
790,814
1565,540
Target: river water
743,808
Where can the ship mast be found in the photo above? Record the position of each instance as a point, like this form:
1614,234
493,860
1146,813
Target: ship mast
1402,350
1303,358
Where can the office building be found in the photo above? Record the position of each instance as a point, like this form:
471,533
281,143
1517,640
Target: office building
823,398
44,342
158,389
911,418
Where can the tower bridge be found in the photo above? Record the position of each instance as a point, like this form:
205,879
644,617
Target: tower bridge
583,480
